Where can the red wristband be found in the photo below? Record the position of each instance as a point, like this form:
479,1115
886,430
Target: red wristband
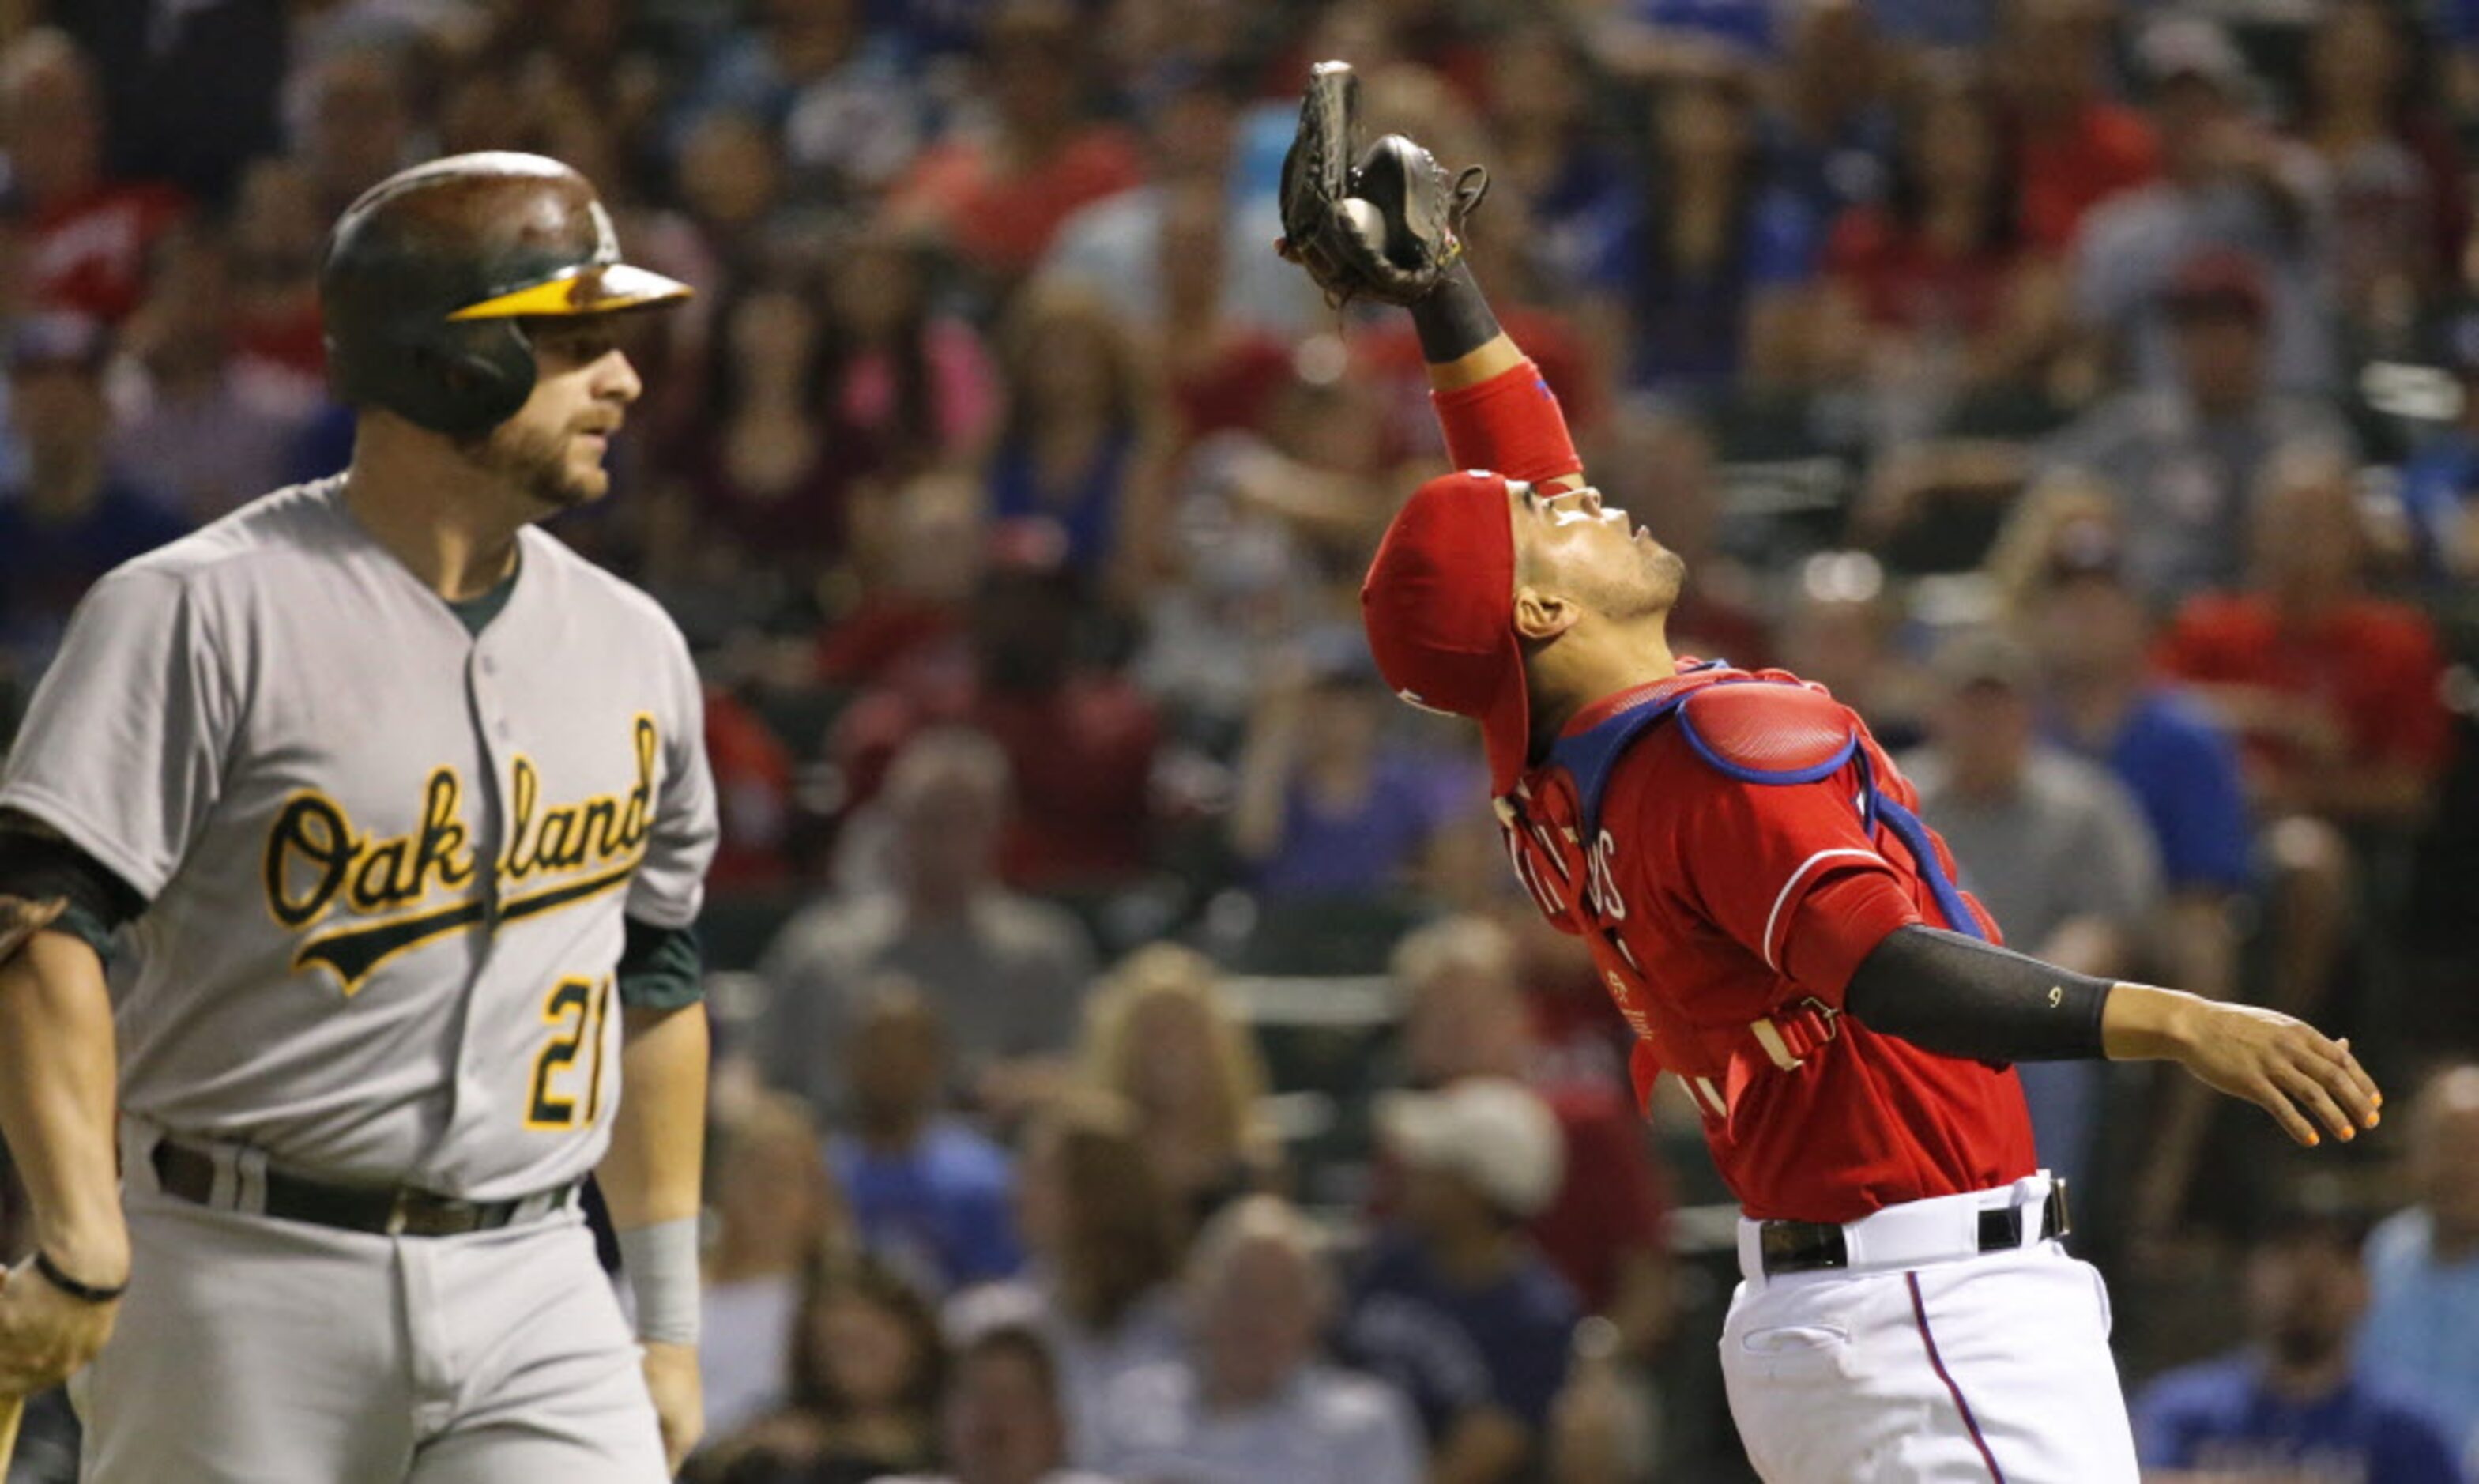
1509,425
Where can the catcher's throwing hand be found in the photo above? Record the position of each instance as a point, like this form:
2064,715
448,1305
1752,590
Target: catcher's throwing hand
45,1335
2296,1072
1384,224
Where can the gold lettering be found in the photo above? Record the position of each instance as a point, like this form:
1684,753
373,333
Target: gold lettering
443,841
311,831
378,877
524,787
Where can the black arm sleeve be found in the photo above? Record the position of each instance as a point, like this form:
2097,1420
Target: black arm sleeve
1961,997
40,866
1455,319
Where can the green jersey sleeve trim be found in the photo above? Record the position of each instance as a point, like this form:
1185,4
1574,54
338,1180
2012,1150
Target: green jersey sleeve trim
661,968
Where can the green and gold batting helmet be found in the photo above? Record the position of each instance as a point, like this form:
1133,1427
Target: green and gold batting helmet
431,275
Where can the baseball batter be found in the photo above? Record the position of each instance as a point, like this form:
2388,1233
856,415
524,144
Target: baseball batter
1778,926
406,811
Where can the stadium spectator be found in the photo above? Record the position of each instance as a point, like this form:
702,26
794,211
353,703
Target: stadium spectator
753,785
2052,845
2332,692
830,84
917,558
1079,738
930,1193
1006,973
1605,1229
1082,447
1710,268
1934,275
1160,1033
2073,145
2400,205
71,517
194,417
276,235
1003,1420
1121,248
763,470
1828,129
87,234
2295,1404
1547,153
2186,458
2422,1337
996,194
729,176
1251,1402
2228,183
2439,480
1100,1286
1452,1303
774,1209
907,385
1327,804
192,97
2062,563
862,1396
352,119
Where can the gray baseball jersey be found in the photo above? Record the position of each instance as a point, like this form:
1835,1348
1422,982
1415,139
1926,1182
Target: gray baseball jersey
387,860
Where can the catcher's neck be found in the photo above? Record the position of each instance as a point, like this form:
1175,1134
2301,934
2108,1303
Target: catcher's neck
1592,661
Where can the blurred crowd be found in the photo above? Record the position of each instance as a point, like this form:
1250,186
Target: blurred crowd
1135,1061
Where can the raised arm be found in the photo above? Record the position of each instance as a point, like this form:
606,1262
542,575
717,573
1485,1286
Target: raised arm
1386,223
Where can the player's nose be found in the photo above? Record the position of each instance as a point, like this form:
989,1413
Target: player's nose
618,380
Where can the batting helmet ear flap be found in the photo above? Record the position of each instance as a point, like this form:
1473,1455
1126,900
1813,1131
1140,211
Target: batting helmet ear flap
483,370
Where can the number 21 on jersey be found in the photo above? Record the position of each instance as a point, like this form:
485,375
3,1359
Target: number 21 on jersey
575,1009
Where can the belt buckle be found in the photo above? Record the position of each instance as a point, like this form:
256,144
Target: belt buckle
421,1213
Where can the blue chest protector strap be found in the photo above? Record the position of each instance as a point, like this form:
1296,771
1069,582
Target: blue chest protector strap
1760,731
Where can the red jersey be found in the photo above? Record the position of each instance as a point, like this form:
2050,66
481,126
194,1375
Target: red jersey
1730,846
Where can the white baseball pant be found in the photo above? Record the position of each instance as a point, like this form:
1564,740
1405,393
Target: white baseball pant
1984,1366
257,1351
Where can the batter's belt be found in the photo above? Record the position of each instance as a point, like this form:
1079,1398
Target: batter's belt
1897,1237
190,1175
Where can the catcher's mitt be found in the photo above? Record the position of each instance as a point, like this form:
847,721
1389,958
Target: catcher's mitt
20,919
1386,226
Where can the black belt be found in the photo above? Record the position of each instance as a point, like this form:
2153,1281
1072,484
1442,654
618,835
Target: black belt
1811,1247
390,1211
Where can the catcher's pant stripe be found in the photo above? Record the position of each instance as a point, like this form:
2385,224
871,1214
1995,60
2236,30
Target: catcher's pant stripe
1920,1314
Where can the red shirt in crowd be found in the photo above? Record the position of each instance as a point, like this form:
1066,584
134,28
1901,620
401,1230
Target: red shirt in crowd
1082,757
2374,664
2063,173
87,254
1740,900
1001,219
1613,1201
1903,281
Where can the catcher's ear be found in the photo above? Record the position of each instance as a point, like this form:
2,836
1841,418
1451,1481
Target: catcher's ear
1542,615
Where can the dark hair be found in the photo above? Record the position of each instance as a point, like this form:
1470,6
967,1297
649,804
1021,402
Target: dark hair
2415,92
838,1272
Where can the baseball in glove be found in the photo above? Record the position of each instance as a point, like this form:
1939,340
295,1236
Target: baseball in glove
1386,226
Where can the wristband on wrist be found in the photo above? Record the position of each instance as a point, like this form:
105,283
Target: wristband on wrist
1509,425
661,1261
83,1292
1455,319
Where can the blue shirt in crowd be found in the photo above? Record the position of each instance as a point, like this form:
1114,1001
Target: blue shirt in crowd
2219,1416
1454,1349
2420,1340
939,1210
2183,772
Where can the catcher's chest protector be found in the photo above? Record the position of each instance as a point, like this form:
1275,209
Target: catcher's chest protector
1753,729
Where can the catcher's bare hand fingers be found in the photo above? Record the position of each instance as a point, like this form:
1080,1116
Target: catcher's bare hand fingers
2262,1092
2360,1092
2306,1090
